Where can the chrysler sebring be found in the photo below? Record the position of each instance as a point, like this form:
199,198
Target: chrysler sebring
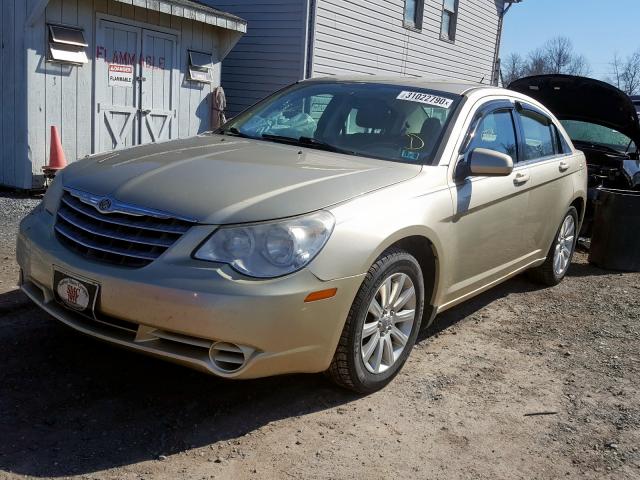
315,232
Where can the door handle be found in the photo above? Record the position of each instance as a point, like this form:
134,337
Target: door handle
563,167
521,178
146,111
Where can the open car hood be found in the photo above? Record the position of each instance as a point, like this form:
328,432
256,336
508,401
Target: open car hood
583,99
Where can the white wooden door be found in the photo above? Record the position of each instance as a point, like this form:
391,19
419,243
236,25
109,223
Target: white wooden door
117,90
134,86
157,97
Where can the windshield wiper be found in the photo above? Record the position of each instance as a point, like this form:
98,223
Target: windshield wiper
280,138
306,142
319,144
234,131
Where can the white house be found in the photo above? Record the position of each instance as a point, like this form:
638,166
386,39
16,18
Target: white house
289,40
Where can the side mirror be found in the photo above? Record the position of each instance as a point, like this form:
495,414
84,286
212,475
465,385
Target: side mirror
490,163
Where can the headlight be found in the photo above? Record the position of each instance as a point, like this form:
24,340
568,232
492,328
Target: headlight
51,199
270,249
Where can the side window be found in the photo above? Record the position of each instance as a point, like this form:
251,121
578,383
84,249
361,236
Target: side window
563,145
539,136
317,104
496,132
367,118
351,125
415,120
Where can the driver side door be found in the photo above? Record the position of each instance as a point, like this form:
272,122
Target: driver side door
487,230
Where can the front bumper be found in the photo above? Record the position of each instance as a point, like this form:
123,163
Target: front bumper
189,311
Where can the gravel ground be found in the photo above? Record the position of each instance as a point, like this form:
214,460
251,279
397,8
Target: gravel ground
520,382
12,208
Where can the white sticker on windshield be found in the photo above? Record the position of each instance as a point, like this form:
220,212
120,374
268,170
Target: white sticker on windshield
425,98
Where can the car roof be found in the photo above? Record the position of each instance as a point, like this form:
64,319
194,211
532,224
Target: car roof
455,87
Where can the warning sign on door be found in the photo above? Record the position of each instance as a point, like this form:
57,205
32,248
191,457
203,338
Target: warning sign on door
120,75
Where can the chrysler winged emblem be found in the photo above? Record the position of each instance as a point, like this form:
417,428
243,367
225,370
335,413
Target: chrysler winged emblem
104,205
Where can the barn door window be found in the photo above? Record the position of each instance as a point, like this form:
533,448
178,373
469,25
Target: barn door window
413,13
200,67
449,20
67,45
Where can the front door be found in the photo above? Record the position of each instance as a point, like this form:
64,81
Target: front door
134,86
488,226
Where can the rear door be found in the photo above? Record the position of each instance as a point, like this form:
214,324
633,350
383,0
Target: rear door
550,163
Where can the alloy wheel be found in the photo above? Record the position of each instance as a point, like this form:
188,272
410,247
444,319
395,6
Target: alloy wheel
564,246
389,322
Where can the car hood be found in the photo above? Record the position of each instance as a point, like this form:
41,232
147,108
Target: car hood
583,99
216,179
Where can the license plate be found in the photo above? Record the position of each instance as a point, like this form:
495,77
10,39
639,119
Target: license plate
75,293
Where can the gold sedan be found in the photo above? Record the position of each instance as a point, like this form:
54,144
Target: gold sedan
317,231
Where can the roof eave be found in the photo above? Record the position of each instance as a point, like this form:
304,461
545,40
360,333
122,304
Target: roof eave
192,11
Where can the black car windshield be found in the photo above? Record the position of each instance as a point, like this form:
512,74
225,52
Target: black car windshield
401,124
598,135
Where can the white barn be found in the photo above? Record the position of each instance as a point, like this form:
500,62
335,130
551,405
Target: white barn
108,73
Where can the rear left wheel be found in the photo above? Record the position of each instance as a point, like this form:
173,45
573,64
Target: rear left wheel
558,260
382,325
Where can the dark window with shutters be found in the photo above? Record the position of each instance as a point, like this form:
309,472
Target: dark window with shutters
449,20
413,13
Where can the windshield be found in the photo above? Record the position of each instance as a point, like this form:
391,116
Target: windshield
597,134
401,124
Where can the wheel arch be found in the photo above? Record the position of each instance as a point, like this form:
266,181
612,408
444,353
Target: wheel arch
427,251
580,205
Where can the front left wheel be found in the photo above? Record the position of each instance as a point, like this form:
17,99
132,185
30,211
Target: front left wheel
382,325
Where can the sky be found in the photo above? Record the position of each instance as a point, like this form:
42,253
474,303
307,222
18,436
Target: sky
597,28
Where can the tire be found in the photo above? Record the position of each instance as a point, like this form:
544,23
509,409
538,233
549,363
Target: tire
548,273
398,271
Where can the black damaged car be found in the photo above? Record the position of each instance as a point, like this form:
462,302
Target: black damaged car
636,102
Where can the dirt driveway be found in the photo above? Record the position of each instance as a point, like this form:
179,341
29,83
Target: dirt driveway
521,382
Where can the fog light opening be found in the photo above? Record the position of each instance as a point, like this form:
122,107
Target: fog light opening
229,357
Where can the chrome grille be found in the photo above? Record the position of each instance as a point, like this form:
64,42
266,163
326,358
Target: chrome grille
117,238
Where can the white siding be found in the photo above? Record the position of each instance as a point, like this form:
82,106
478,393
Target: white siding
63,95
13,126
368,37
270,55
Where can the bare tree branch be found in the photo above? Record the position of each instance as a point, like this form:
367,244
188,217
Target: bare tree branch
513,68
579,66
626,73
559,56
538,63
556,56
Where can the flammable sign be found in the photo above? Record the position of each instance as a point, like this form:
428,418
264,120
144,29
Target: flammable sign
120,75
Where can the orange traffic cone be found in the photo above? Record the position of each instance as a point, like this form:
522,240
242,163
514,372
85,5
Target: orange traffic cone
57,160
